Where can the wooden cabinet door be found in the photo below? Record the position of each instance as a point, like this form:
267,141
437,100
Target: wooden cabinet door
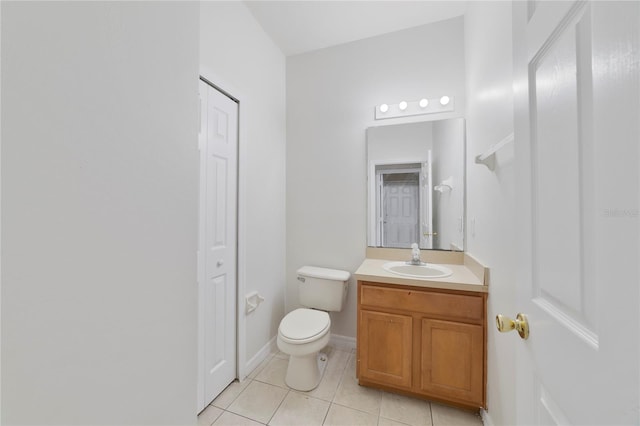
385,347
452,360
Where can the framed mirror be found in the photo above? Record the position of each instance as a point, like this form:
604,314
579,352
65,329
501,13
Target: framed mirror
416,185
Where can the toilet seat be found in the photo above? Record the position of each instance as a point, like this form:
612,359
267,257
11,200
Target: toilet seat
303,326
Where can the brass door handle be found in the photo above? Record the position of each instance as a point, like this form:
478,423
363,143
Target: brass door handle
429,234
506,324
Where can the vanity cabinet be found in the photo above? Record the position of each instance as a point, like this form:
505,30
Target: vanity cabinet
425,342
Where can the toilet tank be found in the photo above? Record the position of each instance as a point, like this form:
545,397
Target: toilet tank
323,288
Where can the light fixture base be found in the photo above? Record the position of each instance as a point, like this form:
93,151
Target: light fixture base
409,108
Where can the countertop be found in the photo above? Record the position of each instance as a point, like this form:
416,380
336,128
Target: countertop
462,278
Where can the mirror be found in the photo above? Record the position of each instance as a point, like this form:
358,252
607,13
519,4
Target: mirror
416,176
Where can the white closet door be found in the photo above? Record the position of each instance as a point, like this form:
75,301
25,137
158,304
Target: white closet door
217,242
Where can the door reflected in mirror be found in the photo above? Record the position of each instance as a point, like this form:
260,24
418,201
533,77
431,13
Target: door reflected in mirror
416,185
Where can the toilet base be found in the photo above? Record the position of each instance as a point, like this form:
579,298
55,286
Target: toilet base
305,372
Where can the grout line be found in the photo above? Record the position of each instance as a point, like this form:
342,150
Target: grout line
324,419
344,371
395,421
258,370
359,410
244,417
431,413
234,398
273,384
279,405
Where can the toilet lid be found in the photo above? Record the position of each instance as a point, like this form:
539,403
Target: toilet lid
303,324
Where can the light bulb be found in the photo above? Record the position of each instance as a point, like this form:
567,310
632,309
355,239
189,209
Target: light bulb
402,105
444,100
384,108
424,103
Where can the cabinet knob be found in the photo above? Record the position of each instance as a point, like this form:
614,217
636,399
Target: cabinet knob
505,324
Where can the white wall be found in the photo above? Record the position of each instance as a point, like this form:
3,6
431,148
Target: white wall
331,94
99,203
490,195
404,143
237,55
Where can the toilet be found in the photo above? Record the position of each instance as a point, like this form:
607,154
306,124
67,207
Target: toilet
305,331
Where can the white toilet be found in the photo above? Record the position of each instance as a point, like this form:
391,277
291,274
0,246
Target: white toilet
304,332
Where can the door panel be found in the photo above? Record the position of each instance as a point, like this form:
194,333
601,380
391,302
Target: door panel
576,132
215,297
561,151
217,226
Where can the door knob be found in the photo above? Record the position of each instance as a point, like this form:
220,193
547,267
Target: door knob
506,324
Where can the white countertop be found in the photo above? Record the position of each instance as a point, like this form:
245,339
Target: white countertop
461,279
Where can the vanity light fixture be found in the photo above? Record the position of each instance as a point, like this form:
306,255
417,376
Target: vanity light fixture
419,107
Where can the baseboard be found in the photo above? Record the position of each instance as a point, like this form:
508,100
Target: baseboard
269,348
342,342
486,418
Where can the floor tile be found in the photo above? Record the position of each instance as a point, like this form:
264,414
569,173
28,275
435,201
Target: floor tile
260,366
281,354
388,422
351,363
327,387
297,409
444,415
328,350
230,419
208,415
230,393
344,416
274,372
338,360
412,411
338,400
258,401
350,394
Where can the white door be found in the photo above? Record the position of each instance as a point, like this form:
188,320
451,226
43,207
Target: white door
577,89
400,209
218,141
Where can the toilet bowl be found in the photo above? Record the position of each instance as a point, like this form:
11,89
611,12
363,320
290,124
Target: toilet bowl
304,332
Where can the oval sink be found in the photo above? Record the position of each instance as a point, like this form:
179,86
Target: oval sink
427,270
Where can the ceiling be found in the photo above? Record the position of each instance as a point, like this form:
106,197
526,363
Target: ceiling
301,26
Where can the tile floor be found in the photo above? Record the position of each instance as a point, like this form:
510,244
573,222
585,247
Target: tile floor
263,398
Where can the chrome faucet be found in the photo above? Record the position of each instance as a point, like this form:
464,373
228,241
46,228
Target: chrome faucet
415,255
